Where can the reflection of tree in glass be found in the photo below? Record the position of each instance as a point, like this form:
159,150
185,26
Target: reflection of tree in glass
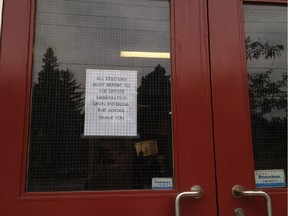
256,49
154,102
268,96
56,121
265,94
154,116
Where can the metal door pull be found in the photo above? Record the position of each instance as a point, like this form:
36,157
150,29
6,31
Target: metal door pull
239,212
196,192
239,192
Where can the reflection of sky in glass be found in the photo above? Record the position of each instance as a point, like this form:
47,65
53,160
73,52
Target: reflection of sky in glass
267,23
90,34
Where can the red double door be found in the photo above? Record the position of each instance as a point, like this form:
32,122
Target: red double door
211,121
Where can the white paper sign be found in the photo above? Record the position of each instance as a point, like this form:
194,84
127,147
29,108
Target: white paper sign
110,103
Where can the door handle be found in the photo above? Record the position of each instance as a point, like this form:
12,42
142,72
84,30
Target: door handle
239,192
196,192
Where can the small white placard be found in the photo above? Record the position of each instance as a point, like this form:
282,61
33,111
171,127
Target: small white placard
270,178
162,183
110,103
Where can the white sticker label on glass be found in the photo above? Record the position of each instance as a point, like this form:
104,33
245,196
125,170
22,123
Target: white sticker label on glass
162,183
110,103
270,178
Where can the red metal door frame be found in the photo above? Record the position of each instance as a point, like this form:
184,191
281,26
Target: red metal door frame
192,122
231,113
194,155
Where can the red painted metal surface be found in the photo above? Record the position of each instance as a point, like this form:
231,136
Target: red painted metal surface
194,162
193,140
194,106
232,133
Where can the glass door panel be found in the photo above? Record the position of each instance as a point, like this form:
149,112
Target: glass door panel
101,116
266,51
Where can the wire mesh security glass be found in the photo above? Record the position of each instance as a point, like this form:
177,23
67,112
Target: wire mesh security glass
266,49
101,96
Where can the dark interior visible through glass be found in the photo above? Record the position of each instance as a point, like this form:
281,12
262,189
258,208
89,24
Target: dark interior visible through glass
266,49
72,36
